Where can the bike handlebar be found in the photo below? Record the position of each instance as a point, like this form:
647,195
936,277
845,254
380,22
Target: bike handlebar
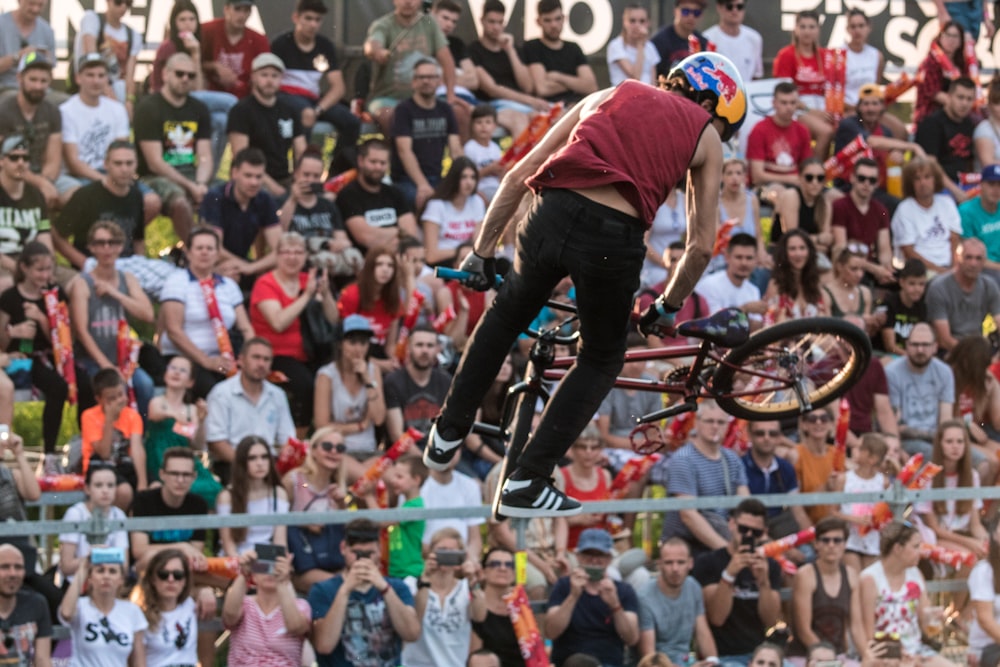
458,275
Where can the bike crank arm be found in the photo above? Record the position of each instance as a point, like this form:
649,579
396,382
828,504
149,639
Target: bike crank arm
666,413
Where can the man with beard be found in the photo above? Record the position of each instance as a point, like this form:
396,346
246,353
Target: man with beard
672,610
559,69
947,134
29,114
24,616
241,211
246,404
921,390
375,213
732,288
23,214
265,121
415,392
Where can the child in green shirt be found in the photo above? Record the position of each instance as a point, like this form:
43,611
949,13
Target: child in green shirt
406,560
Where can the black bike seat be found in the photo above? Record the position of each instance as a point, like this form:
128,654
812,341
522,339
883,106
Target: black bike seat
726,328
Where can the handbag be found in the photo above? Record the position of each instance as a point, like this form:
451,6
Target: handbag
318,335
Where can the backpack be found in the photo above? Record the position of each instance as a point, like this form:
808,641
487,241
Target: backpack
71,86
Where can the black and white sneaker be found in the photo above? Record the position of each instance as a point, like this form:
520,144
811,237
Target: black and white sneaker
439,452
533,498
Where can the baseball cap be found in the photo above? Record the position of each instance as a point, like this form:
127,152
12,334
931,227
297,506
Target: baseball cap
32,60
871,91
92,59
356,323
11,144
991,173
240,3
595,539
267,60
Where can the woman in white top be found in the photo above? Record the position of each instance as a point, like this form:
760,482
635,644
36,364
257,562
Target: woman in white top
106,631
984,593
99,485
164,594
631,55
453,215
255,489
446,606
986,138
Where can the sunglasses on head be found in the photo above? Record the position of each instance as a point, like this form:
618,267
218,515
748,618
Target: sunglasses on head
167,575
757,533
328,446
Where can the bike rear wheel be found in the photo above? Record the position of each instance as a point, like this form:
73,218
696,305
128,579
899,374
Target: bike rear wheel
791,368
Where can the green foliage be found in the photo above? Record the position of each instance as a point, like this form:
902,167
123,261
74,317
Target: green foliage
28,423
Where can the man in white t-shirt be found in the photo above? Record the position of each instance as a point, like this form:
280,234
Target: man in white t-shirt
732,288
926,225
117,43
91,121
740,43
449,488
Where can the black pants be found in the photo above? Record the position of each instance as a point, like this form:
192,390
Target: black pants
52,384
299,388
602,250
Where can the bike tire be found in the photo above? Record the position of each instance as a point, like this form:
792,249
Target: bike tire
520,430
838,354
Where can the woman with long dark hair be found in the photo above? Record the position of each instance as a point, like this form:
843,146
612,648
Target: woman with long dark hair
183,36
453,215
944,64
794,291
255,488
977,393
805,207
378,296
164,595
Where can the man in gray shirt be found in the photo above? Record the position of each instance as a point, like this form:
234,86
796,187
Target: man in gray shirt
921,390
958,301
672,609
23,30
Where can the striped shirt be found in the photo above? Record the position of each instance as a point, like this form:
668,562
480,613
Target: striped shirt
262,640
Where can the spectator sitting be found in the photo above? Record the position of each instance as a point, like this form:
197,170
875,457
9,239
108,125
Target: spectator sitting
985,142
23,215
347,394
731,288
495,633
977,393
869,457
446,14
264,120
27,624
846,294
740,586
778,144
415,392
229,47
959,301
453,213
313,84
631,55
269,626
123,623
21,28
621,408
983,596
247,405
586,479
588,611
559,70
483,658
932,82
769,473
112,432
378,298
805,206
406,562
926,224
359,616
484,152
703,467
450,488
177,421
981,218
737,41
946,134
813,458
741,205
115,41
164,595
862,223
673,41
672,610
255,489
903,309
447,604
74,547
794,290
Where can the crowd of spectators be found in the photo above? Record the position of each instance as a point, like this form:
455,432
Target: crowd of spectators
303,308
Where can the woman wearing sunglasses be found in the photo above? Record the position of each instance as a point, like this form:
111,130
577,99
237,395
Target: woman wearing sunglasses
894,594
164,595
495,632
177,421
805,207
318,485
813,458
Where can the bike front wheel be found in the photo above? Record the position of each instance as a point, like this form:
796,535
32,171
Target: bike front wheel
791,368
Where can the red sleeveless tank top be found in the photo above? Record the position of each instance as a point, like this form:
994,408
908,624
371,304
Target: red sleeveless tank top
599,492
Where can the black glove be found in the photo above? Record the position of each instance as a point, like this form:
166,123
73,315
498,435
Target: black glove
482,272
658,319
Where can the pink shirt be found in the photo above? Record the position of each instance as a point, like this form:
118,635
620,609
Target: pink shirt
263,641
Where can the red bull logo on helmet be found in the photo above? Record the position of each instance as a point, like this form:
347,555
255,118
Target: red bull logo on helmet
725,86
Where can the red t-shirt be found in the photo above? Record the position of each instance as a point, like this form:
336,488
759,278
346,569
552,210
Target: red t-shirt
215,47
780,148
378,317
287,343
861,228
477,303
861,397
807,73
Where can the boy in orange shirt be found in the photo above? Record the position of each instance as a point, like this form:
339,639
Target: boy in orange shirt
112,435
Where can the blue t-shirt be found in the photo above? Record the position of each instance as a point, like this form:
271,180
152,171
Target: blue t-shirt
591,628
368,638
691,473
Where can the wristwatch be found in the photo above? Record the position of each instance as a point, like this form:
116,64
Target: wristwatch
423,584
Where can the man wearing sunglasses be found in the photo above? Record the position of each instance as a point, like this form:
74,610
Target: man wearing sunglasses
769,473
25,626
861,224
673,41
24,216
740,586
741,43
359,616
